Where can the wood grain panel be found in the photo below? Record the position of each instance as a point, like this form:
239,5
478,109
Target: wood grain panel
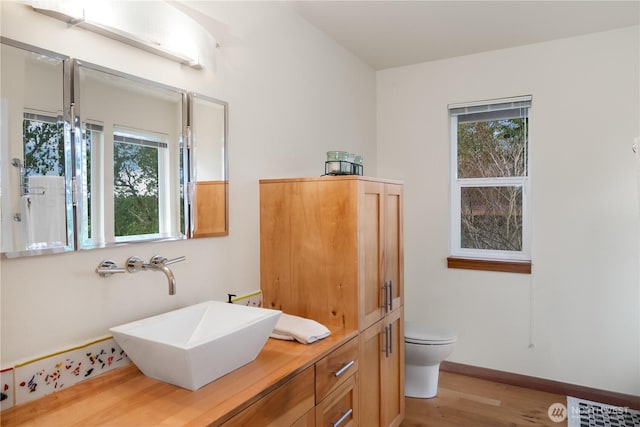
371,240
338,403
523,267
543,384
372,342
125,397
211,209
307,420
326,368
281,407
393,255
464,401
392,383
308,250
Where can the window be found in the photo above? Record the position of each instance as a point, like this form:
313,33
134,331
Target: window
134,204
490,181
139,168
43,141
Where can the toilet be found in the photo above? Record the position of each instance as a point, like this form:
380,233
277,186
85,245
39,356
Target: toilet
425,348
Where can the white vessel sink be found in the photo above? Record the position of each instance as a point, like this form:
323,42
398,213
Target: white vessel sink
195,345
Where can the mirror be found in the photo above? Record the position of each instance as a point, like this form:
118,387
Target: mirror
136,174
35,154
208,174
129,151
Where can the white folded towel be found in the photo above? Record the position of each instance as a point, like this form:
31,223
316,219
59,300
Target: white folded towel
297,328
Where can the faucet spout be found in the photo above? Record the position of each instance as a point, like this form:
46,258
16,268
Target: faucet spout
158,263
167,272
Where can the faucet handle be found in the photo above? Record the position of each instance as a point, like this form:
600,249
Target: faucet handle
108,267
134,264
159,259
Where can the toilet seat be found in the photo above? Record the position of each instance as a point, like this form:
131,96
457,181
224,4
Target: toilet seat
419,333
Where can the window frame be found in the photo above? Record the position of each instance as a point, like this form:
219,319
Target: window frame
493,257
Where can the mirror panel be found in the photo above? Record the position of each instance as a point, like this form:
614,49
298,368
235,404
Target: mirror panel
130,157
119,171
208,174
35,152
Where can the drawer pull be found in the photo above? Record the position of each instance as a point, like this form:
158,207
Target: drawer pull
342,418
344,368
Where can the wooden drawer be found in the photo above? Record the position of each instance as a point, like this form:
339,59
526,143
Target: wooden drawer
307,420
340,408
284,406
333,369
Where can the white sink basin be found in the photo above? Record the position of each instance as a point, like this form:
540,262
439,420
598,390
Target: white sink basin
195,345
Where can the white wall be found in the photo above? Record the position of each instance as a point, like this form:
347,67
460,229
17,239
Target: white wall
580,308
293,95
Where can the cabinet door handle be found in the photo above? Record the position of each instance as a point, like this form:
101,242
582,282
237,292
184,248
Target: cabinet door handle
386,341
344,368
342,418
385,296
390,338
390,297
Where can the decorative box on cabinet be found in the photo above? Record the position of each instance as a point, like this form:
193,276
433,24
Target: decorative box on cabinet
331,249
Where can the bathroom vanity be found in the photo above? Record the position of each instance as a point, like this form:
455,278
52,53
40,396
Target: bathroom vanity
332,251
287,384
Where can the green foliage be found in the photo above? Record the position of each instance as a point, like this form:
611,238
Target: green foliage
43,148
136,215
135,189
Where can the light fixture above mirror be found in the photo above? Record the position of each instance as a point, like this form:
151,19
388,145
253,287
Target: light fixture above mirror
153,26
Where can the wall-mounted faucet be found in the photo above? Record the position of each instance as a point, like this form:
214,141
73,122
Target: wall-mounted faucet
108,267
157,263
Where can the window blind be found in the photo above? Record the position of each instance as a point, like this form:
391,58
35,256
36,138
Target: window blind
499,109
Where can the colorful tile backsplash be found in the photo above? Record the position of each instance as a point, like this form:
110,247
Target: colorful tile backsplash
6,393
46,375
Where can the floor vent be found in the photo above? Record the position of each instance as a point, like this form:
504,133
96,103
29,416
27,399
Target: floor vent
585,413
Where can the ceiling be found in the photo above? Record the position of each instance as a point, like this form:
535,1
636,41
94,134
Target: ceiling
390,33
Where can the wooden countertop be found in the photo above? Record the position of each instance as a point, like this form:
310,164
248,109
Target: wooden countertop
125,397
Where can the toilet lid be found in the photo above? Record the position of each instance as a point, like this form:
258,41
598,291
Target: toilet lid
419,333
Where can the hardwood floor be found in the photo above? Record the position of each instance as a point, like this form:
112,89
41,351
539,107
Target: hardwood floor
464,401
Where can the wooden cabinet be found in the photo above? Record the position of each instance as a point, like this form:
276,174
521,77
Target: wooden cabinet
337,398
340,408
381,359
325,393
282,407
331,249
381,304
335,368
380,250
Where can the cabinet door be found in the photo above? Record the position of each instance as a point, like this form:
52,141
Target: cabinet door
381,372
393,256
372,351
392,370
371,239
